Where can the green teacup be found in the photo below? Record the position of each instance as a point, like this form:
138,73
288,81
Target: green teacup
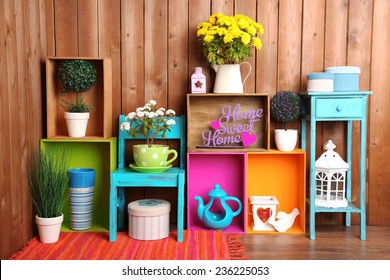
154,156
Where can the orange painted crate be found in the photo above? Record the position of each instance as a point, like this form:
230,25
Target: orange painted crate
100,96
279,174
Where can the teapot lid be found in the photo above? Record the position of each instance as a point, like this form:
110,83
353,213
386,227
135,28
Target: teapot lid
217,192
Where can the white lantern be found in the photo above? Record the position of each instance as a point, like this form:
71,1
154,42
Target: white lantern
331,172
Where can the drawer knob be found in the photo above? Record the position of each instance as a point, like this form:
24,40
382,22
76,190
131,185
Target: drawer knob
339,108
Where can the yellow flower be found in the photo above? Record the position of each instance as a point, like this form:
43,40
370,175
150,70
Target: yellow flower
221,31
208,38
201,32
257,43
246,38
251,30
227,38
243,23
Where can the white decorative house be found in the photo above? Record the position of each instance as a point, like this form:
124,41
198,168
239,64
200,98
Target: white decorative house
330,173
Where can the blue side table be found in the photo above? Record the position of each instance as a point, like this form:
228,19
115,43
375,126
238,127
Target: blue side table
336,106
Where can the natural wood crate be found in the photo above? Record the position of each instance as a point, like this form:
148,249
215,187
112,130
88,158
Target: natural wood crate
100,97
233,114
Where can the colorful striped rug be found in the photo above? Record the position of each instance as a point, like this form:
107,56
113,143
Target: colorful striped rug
197,245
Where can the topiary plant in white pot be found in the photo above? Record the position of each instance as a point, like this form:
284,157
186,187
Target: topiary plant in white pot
77,76
286,106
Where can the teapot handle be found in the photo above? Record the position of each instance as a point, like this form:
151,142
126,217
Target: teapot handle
250,70
238,211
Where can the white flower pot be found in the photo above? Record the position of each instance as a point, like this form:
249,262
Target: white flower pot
49,228
286,140
76,123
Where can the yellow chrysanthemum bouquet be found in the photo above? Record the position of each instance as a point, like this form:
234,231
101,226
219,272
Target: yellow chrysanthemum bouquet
229,39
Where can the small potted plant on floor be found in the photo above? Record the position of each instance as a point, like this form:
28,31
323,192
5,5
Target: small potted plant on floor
48,181
286,106
77,76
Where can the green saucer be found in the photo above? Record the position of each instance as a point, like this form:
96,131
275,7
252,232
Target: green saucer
143,169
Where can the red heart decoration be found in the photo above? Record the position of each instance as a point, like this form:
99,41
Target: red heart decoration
263,214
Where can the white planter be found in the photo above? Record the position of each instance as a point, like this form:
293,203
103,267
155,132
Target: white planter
286,140
49,228
76,123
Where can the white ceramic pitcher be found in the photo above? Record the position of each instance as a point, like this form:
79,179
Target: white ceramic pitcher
228,78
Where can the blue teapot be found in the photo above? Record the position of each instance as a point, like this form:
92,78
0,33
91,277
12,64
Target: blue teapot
217,221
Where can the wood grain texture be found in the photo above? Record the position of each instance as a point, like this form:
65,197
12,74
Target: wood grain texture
199,11
87,17
178,71
66,28
267,57
331,243
379,133
132,55
21,118
156,51
289,46
109,45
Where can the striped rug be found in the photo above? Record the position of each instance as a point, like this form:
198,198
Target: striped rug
197,245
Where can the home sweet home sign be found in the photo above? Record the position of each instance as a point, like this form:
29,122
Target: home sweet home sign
228,121
233,127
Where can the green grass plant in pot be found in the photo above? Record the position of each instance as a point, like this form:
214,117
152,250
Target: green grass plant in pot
286,106
76,76
48,181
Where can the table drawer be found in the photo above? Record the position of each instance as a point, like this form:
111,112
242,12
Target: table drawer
339,108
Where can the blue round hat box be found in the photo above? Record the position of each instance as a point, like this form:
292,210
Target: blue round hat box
346,78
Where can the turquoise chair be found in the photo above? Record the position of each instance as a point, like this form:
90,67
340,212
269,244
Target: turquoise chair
125,177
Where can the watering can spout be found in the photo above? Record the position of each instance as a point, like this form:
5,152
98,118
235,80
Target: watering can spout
200,206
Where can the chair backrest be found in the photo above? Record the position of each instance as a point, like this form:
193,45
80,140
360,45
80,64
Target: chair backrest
178,132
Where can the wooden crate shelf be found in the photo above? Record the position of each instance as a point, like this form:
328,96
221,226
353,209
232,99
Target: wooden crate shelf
100,96
207,169
99,154
216,122
279,174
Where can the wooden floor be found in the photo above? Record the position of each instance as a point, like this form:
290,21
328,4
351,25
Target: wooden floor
331,243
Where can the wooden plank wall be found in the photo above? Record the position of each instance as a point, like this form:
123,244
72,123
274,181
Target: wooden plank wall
154,50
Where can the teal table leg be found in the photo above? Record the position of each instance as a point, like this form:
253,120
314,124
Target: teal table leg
113,210
349,172
180,207
312,176
121,199
363,131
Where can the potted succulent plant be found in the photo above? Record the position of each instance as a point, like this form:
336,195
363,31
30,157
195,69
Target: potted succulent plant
286,106
48,181
77,76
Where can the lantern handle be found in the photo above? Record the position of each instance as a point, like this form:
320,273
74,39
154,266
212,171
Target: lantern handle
329,145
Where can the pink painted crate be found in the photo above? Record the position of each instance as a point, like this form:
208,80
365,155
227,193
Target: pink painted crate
206,169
